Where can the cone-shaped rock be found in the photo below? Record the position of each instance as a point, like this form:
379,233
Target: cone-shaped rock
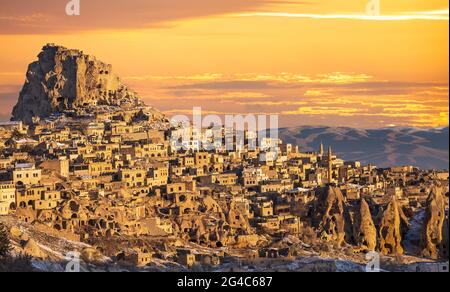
432,242
335,223
365,230
390,234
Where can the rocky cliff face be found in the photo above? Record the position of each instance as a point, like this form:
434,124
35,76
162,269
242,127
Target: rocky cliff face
365,230
433,231
68,80
390,233
335,223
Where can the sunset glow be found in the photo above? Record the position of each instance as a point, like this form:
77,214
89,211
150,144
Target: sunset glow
312,62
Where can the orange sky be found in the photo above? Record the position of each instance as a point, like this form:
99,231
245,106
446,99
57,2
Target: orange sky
313,62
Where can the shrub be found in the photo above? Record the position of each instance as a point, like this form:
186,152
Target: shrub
21,264
5,243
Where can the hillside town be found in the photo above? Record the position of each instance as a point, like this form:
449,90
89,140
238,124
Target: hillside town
96,179
112,179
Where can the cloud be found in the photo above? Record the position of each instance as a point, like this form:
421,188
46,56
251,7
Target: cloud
48,16
233,85
352,99
8,98
7,101
198,77
442,15
11,89
349,99
318,85
5,117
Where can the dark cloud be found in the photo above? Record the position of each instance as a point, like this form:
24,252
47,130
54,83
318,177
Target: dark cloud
4,118
379,84
235,85
365,87
8,98
377,88
43,16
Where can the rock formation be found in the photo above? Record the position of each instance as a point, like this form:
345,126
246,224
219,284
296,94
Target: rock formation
444,246
365,230
335,223
432,234
32,249
390,234
91,255
68,80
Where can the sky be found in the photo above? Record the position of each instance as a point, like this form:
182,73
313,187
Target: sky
312,62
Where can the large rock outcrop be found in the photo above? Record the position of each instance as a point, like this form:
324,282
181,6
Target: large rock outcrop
445,240
390,233
68,80
335,223
32,249
365,230
433,229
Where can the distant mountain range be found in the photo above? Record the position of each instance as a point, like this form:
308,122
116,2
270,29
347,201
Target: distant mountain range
384,147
